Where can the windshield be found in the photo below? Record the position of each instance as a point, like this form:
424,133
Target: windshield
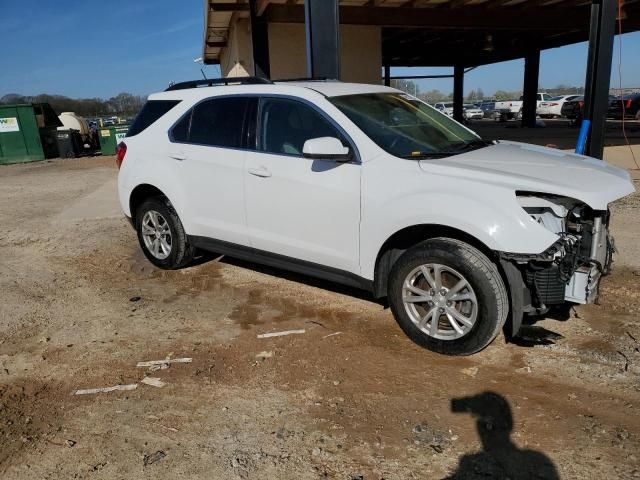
406,127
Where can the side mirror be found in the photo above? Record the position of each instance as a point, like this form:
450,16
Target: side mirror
326,148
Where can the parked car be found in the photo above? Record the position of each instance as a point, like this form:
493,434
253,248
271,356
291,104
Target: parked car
366,186
513,108
552,108
471,112
573,109
446,108
488,109
630,104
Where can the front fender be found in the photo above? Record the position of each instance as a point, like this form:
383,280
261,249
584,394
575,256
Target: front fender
491,215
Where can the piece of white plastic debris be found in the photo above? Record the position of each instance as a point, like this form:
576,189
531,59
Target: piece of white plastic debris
332,334
90,391
153,381
280,334
265,355
167,361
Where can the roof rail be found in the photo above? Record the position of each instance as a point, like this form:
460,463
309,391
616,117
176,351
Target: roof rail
211,82
306,79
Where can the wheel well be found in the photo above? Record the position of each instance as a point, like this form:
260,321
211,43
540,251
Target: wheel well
406,238
139,195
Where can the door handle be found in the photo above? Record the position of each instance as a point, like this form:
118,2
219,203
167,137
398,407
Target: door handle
260,172
178,156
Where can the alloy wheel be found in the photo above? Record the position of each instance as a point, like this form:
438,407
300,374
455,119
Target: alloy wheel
156,234
440,301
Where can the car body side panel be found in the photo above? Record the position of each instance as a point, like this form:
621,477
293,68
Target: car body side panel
146,165
398,194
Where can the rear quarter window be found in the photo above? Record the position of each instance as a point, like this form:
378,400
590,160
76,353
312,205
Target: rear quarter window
217,122
152,111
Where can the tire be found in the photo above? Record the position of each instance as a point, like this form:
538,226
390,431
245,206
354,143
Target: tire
484,285
180,252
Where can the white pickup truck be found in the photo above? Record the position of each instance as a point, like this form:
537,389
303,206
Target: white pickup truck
513,108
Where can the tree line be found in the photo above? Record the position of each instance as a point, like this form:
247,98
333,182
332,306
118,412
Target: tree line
475,95
123,104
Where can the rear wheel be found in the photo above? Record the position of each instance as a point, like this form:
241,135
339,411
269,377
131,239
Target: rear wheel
448,297
161,234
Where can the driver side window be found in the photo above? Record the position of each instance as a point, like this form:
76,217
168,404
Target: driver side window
286,124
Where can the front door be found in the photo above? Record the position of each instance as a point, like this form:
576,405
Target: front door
300,207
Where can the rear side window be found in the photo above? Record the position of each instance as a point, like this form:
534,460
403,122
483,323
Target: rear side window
180,131
152,111
218,122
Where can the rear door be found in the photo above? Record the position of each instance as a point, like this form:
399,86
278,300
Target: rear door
208,142
303,208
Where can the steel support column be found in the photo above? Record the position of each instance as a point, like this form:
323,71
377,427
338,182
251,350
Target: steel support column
387,75
458,92
530,89
601,35
322,24
259,42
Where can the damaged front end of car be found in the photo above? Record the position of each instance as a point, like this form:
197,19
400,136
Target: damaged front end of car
569,271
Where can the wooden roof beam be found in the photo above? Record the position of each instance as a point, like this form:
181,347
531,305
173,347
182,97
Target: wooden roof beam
229,7
468,18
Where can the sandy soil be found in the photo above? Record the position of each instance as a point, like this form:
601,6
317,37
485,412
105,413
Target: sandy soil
351,398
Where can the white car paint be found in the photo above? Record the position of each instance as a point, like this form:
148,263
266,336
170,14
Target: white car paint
514,106
473,113
341,214
553,106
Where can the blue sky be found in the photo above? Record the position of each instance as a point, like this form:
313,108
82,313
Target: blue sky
91,48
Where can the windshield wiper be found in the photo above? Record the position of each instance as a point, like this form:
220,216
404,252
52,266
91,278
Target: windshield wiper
473,145
459,148
423,155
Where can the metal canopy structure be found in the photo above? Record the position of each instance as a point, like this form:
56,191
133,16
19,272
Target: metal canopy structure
435,32
453,33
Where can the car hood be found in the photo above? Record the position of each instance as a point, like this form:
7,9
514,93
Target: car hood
534,168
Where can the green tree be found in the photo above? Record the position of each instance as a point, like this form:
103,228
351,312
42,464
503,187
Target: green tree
406,86
433,96
505,95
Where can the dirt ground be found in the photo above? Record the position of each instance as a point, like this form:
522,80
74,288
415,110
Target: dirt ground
351,398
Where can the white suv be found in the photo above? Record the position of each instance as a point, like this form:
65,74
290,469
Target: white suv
367,186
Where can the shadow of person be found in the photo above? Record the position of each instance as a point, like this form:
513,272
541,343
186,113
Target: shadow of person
500,458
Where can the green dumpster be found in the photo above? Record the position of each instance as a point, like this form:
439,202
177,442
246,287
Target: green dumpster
27,132
19,135
110,137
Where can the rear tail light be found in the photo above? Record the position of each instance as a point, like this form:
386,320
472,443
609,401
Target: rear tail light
627,104
553,104
581,103
121,151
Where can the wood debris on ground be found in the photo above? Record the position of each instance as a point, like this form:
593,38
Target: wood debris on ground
89,391
280,334
153,381
167,361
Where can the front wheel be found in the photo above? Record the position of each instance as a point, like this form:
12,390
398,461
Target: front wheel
161,234
448,297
